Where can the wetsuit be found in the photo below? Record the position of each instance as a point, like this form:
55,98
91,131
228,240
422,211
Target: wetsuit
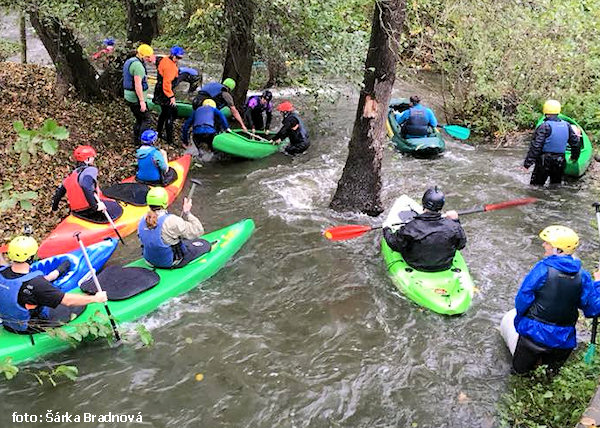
293,128
253,113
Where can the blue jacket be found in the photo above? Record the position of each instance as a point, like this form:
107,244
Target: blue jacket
12,314
429,115
150,164
155,251
553,336
205,120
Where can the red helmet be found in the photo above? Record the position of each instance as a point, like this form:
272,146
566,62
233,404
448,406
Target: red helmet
285,106
82,153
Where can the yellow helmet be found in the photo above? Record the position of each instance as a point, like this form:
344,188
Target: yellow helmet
22,248
145,50
551,107
561,237
209,102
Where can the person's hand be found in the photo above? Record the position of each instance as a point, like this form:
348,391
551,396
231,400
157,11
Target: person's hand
100,297
164,153
101,206
597,275
173,102
253,130
452,214
228,130
187,205
244,128
63,267
143,106
266,132
524,169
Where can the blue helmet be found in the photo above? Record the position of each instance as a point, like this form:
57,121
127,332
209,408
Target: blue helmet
109,42
177,51
149,136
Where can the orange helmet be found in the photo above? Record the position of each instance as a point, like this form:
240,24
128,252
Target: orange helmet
285,106
82,153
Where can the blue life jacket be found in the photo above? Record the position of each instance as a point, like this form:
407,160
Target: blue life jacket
155,251
128,77
12,314
204,116
212,89
147,170
559,137
557,301
189,70
417,123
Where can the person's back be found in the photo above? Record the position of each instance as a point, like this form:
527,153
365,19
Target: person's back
429,241
152,166
416,121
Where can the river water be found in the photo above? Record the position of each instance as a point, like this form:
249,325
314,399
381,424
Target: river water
298,331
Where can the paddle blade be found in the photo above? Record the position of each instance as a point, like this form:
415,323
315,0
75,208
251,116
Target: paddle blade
458,132
589,355
509,204
350,231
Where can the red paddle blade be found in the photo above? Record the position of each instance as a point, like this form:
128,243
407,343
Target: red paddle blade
341,233
508,204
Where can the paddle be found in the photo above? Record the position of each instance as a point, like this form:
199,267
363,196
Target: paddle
456,131
589,355
112,223
350,231
97,283
195,182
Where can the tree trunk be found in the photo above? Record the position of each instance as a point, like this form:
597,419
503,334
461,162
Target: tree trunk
142,20
360,186
23,32
276,67
240,46
72,65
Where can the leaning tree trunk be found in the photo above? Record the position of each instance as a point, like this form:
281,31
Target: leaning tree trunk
23,36
72,65
238,60
276,66
360,186
142,20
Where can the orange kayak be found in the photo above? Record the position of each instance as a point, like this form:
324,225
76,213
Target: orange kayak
61,240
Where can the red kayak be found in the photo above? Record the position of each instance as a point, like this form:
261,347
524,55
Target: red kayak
61,240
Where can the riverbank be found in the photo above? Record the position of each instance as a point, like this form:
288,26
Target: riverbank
27,93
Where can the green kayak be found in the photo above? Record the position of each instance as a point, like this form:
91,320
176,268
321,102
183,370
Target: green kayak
576,168
243,144
424,147
448,292
183,109
173,282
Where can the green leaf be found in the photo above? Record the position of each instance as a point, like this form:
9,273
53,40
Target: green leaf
26,205
60,133
8,368
70,372
25,158
18,126
548,394
30,194
145,335
49,126
50,146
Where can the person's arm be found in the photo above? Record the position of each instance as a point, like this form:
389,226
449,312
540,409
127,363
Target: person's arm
72,299
590,295
160,161
139,91
402,117
234,111
433,122
59,271
286,126
394,239
537,144
169,75
222,119
461,236
533,281
269,114
574,143
185,130
88,185
58,195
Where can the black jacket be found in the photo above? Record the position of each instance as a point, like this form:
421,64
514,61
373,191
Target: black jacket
428,242
539,138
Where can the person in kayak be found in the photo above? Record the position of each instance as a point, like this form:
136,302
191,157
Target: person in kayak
548,300
292,128
169,241
254,109
152,163
429,241
167,73
416,121
221,94
547,149
135,88
26,297
82,191
206,122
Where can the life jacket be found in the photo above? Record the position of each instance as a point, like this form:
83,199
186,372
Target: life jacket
75,195
147,170
559,137
13,315
204,116
557,301
417,123
189,70
155,251
298,137
128,77
214,90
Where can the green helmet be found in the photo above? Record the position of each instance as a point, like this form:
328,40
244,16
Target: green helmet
158,197
230,83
